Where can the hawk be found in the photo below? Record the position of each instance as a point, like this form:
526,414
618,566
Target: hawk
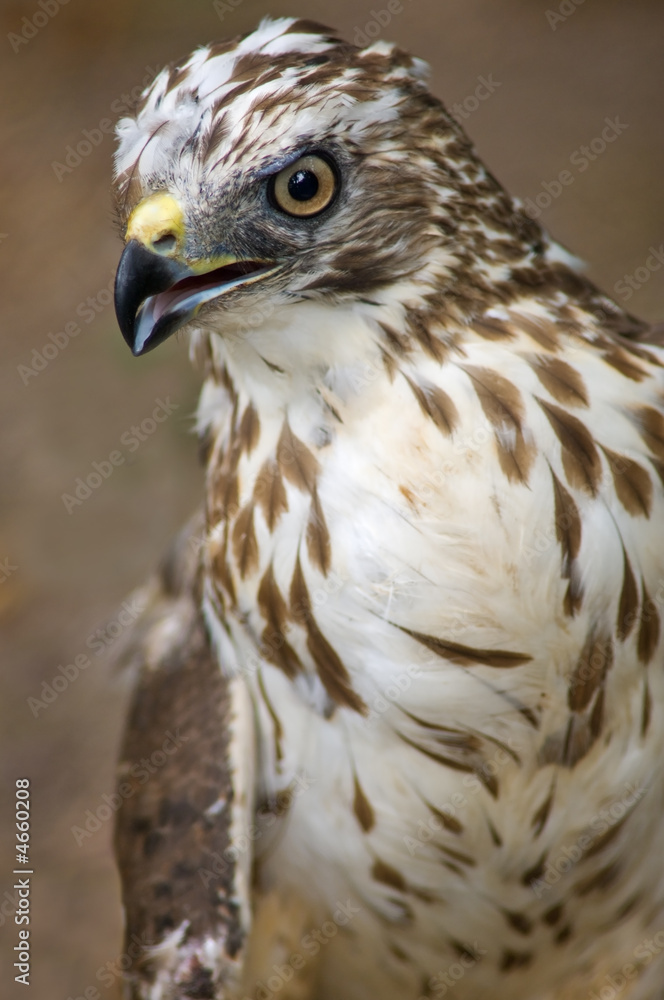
398,726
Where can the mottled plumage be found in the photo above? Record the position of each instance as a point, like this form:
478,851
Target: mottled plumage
421,617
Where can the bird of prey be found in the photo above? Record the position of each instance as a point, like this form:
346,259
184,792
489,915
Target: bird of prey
397,731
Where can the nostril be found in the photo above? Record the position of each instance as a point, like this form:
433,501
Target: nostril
165,244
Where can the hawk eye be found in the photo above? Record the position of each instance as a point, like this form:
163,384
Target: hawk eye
306,187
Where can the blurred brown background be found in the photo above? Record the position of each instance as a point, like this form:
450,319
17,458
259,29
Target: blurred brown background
65,68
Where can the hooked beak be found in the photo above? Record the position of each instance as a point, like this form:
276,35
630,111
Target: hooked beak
157,291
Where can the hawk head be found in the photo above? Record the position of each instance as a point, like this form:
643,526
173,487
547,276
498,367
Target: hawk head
290,167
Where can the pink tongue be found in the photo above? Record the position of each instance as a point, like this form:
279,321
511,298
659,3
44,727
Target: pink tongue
182,290
166,300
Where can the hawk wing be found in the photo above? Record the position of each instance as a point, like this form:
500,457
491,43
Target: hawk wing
185,784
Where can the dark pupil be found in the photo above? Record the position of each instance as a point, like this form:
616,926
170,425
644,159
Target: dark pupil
303,185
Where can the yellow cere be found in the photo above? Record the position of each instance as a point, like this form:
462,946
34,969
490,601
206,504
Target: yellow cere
160,216
155,217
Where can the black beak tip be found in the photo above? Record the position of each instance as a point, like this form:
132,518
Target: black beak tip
140,275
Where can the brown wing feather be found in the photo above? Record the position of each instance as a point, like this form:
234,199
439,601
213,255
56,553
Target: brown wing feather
178,878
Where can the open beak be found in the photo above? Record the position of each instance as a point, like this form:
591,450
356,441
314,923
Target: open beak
157,291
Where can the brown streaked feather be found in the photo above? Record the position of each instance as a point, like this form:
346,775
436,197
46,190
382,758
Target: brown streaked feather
567,523
270,601
502,405
390,365
397,342
457,763
249,430
456,739
382,872
624,362
219,48
646,708
632,483
278,651
579,739
560,379
572,742
223,494
305,26
515,960
651,424
276,721
275,647
270,493
435,404
554,915
519,921
362,808
297,464
493,833
176,76
333,674
543,332
245,546
580,457
573,598
492,329
318,537
216,135
590,671
221,569
629,601
420,328
451,823
536,871
649,627
541,815
223,486
463,859
466,951
468,655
